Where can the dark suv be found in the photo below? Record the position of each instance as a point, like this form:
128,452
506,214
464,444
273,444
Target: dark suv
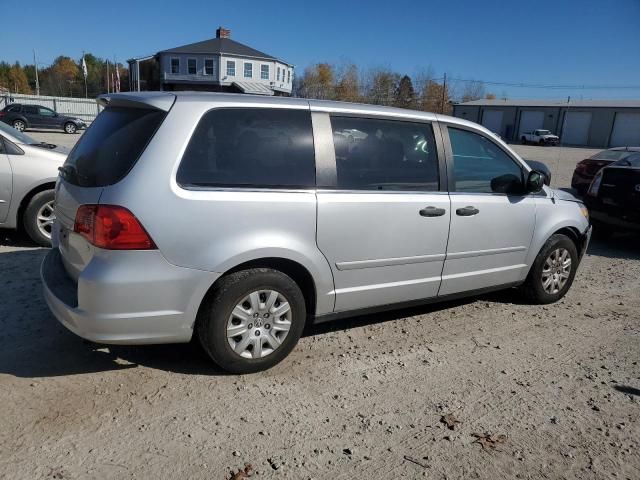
22,117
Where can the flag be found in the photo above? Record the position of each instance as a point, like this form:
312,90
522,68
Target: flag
84,67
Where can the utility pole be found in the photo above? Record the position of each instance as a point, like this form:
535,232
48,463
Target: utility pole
444,92
108,91
35,67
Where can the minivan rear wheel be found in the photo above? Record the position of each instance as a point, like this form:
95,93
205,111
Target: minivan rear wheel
553,270
251,320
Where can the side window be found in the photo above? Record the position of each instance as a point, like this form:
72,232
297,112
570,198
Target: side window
480,166
2,149
374,154
45,112
250,147
14,108
30,109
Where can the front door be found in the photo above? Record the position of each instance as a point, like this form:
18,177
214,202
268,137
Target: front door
492,221
48,118
383,223
6,182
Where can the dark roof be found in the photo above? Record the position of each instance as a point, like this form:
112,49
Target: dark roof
220,45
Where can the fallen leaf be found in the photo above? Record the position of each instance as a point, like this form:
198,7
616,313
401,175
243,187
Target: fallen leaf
488,441
449,420
246,472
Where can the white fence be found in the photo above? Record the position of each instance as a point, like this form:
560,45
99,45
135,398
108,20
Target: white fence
85,108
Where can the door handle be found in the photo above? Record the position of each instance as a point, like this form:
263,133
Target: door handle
467,211
432,212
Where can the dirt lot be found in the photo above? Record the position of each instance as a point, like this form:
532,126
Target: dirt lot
540,392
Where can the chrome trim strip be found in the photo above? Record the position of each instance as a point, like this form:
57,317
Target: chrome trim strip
482,272
388,262
480,253
378,286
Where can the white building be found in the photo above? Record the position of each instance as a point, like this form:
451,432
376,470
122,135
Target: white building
216,65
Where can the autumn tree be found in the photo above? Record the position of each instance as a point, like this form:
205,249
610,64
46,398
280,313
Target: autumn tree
405,95
381,87
13,78
318,82
348,86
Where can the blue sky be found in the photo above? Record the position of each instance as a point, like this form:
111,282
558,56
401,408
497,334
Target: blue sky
568,42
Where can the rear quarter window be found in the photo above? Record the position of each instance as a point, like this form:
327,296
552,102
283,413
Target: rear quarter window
111,146
250,147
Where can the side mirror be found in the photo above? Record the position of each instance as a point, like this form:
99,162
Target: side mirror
535,182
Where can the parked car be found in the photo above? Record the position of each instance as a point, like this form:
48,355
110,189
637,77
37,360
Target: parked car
28,172
613,198
176,217
587,168
539,136
22,117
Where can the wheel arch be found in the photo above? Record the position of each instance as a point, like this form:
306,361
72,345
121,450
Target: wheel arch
298,273
27,198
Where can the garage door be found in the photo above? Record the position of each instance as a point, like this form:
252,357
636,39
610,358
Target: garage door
530,120
575,130
626,130
492,120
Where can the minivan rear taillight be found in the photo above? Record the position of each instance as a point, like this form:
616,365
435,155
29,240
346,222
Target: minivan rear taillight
112,227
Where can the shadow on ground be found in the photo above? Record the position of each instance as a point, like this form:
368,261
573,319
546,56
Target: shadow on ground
34,344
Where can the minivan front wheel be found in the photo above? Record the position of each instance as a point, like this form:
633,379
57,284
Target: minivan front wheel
553,270
251,320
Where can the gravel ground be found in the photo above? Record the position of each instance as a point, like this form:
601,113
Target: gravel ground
539,392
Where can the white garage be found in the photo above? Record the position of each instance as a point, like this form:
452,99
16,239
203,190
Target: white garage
626,130
575,130
492,120
595,123
530,120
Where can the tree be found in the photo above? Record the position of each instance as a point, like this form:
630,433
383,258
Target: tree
473,90
381,87
490,96
405,96
318,82
348,86
17,80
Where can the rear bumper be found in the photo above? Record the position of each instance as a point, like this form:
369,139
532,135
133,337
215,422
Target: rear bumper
135,298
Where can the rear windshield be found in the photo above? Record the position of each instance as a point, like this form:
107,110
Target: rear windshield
611,155
111,146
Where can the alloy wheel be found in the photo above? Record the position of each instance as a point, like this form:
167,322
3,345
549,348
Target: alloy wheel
45,218
556,270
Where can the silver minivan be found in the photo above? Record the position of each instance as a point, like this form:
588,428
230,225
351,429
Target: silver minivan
240,218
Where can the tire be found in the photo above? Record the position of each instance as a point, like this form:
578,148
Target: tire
38,218
533,288
70,128
523,140
233,294
19,125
